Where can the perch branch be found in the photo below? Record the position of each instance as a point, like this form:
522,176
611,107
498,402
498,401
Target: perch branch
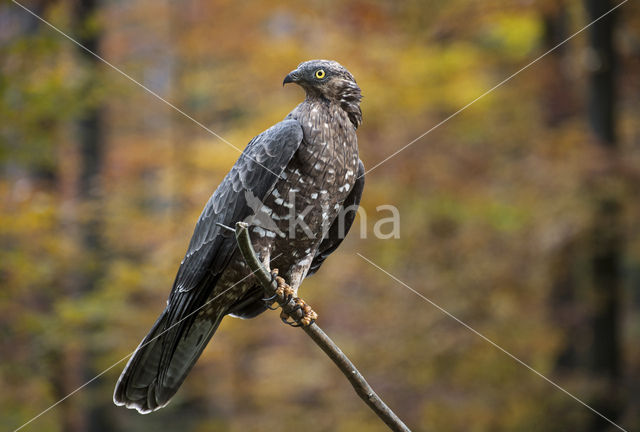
360,385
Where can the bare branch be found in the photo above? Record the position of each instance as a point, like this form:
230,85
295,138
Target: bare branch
360,385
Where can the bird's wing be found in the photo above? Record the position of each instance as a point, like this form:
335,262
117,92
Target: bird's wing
165,356
334,237
256,171
211,246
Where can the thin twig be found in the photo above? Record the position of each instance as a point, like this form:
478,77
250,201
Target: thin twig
360,385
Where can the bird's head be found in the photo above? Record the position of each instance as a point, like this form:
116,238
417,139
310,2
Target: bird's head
329,80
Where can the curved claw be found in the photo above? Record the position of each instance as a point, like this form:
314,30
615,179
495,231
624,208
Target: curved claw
287,294
290,323
285,319
288,298
269,301
270,298
296,308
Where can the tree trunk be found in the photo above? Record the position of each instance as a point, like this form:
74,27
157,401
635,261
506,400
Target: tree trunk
83,194
559,102
604,362
558,106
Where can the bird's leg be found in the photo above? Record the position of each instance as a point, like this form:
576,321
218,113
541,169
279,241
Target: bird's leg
285,294
309,316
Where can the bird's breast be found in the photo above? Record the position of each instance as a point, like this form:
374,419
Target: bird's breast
320,176
329,151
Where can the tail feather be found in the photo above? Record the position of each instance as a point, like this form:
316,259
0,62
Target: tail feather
146,384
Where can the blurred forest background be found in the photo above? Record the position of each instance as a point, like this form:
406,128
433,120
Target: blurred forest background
519,216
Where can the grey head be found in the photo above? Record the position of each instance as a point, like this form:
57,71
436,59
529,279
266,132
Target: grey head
329,80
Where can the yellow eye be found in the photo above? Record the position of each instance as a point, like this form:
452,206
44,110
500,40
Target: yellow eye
319,74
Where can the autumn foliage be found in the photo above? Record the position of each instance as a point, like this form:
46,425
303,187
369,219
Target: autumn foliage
101,183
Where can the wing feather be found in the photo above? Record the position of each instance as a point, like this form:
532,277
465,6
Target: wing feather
211,247
157,369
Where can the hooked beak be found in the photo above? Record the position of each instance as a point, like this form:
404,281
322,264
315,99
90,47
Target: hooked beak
290,78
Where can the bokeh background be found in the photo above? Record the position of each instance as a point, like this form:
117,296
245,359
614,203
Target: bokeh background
519,215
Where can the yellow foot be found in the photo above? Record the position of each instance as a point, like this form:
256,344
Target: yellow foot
285,293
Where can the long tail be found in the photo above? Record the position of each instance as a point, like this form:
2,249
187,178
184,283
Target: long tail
157,368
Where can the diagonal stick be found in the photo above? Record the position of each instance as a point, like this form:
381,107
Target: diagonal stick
477,333
292,309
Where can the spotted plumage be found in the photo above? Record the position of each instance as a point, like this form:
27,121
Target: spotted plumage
300,174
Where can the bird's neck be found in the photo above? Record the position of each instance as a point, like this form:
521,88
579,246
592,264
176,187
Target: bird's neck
347,97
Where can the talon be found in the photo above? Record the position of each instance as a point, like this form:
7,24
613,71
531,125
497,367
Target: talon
270,299
285,294
288,296
295,309
285,319
284,291
281,285
307,321
310,316
268,306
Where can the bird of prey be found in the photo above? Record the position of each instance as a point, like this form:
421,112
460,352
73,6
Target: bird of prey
307,161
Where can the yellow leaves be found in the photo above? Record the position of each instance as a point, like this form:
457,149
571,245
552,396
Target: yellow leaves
513,35
481,210
125,274
422,77
486,202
